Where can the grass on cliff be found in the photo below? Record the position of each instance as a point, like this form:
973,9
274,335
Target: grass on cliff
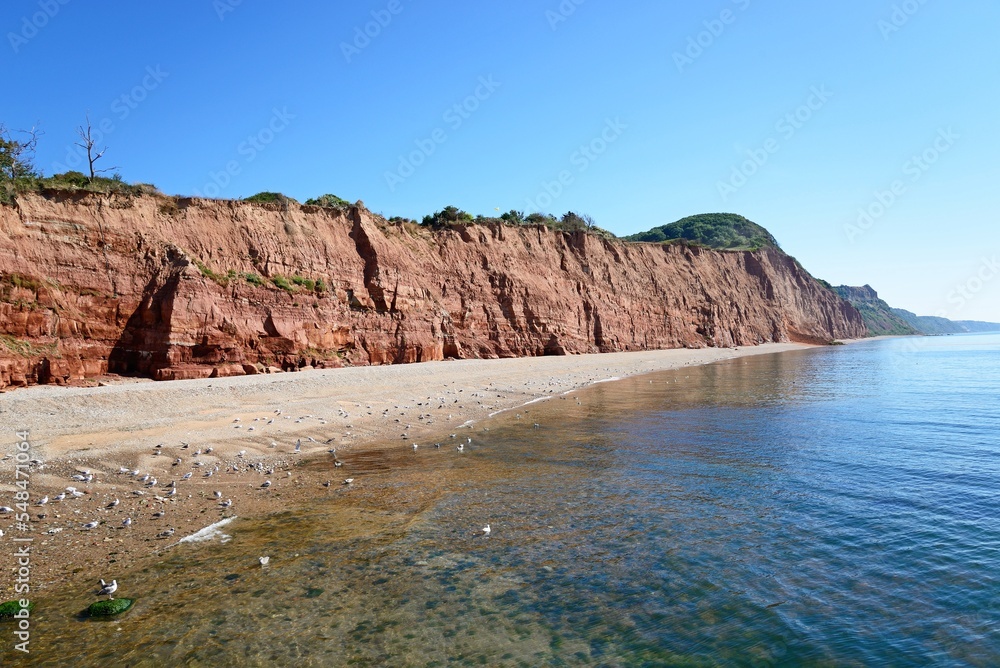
22,348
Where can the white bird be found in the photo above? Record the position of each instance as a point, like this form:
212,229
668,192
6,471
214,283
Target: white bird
76,493
172,492
6,509
338,463
158,514
226,503
298,445
59,497
114,503
90,525
1,533
186,476
348,481
267,483
486,530
166,534
415,446
461,447
264,560
241,453
43,500
127,522
208,450
218,494
108,589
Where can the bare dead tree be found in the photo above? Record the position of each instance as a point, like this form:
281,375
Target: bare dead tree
89,144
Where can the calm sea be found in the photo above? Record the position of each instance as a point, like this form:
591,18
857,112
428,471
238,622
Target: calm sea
832,507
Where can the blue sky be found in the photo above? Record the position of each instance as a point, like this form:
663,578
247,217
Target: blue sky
800,116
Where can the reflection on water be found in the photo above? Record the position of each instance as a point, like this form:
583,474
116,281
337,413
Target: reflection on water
834,507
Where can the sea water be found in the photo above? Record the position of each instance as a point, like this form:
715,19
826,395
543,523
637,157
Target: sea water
830,507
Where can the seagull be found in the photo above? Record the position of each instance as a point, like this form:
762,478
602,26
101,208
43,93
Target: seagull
6,509
90,525
298,445
158,514
172,492
108,589
127,522
166,534
43,500
486,530
59,497
338,463
226,503
186,476
218,494
267,483
415,446
114,503
263,560
461,447
348,481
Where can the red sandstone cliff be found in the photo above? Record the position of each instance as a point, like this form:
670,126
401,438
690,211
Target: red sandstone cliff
91,284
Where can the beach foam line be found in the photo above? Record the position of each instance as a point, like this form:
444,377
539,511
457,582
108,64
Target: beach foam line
209,533
527,403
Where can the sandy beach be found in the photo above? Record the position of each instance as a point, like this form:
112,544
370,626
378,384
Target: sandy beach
167,456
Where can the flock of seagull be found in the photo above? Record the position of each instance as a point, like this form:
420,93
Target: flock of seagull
152,491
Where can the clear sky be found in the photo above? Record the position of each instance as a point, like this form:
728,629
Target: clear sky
798,115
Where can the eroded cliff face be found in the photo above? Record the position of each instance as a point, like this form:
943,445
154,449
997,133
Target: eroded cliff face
169,289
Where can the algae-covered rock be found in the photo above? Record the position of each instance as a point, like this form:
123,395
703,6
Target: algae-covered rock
110,608
11,608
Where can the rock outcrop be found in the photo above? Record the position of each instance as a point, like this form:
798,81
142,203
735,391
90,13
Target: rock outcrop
187,288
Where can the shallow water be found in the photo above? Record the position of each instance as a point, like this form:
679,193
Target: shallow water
830,507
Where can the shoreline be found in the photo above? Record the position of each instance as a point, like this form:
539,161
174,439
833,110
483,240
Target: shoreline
252,425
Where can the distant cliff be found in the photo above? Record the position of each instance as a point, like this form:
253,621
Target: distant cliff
929,324
879,317
882,320
183,288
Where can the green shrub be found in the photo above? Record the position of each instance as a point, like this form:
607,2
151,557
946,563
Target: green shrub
447,217
329,201
253,279
282,282
268,198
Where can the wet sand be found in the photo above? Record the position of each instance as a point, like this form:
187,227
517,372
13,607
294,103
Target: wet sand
127,430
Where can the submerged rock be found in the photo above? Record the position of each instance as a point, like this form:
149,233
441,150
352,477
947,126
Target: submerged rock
109,608
11,608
